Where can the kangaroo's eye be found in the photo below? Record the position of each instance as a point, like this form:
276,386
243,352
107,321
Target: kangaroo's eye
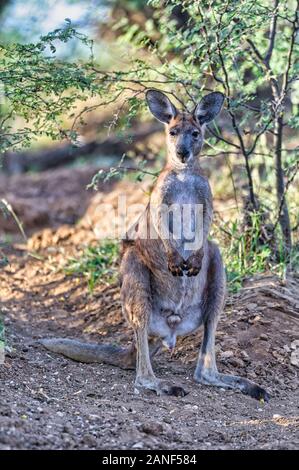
173,132
195,134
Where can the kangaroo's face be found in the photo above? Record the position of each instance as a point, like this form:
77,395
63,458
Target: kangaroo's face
185,131
184,137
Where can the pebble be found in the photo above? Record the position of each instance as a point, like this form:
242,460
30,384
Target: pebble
251,306
227,354
245,356
263,337
68,428
137,445
152,428
236,362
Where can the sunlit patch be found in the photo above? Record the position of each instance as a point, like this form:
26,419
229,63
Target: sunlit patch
278,420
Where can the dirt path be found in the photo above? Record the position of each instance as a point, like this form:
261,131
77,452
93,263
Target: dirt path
49,402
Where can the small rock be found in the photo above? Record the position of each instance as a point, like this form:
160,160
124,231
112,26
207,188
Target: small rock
227,354
245,356
68,428
295,344
89,440
152,428
236,362
137,445
251,306
295,358
254,320
263,337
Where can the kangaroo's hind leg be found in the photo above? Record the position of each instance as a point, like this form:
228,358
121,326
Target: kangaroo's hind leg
206,370
136,301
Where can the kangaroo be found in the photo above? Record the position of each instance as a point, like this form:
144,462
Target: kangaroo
169,287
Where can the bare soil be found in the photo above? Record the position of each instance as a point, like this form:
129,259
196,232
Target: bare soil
50,402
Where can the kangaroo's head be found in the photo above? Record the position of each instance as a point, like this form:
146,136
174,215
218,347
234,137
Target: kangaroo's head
185,131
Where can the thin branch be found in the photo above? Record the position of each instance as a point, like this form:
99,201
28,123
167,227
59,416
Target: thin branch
282,199
273,29
231,174
222,139
295,29
255,50
258,135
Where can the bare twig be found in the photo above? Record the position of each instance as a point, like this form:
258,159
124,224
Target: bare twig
10,210
286,188
273,28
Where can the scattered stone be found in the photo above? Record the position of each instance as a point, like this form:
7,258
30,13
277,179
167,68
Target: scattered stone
68,428
254,319
251,306
152,428
245,356
295,358
236,362
295,344
263,337
227,354
138,445
89,440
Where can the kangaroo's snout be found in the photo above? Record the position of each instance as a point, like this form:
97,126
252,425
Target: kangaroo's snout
183,154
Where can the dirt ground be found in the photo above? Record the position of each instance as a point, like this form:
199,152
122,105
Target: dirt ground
50,402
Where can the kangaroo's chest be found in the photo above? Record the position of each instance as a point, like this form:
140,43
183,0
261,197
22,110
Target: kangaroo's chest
184,187
185,197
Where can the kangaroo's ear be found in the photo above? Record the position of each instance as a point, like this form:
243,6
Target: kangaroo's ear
208,108
160,106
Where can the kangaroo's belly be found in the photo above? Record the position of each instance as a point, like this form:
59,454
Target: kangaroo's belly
177,311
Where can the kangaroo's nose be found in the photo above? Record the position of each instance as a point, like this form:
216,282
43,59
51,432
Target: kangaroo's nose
183,154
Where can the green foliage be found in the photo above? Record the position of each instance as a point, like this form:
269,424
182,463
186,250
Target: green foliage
40,89
97,263
121,171
245,254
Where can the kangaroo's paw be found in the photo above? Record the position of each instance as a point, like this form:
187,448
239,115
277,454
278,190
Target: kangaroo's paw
176,264
193,264
159,386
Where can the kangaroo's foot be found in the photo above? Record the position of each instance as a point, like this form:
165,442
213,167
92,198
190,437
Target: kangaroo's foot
232,382
161,387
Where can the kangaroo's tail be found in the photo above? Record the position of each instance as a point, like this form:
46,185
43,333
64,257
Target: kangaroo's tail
88,352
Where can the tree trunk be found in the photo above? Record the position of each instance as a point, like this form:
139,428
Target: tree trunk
284,218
